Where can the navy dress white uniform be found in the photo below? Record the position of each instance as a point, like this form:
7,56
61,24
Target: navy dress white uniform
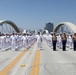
74,42
54,41
7,40
39,41
3,42
24,41
13,42
70,42
60,41
50,41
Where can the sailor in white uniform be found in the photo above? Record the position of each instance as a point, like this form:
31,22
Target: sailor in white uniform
39,41
7,40
13,42
59,41
50,40
3,42
70,42
24,41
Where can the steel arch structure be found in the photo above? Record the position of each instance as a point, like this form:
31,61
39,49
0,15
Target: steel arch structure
70,25
11,24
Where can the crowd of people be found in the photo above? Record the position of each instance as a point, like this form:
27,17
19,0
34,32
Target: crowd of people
16,40
61,40
54,40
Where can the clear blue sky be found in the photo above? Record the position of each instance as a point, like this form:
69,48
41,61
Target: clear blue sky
34,14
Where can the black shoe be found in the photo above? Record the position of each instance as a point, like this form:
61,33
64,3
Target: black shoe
64,50
74,50
54,50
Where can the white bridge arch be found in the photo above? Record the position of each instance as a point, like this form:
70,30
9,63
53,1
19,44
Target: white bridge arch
9,23
71,26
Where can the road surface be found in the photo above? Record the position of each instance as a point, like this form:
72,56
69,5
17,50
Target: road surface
38,62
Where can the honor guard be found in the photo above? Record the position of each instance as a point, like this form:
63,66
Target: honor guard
74,41
54,41
64,41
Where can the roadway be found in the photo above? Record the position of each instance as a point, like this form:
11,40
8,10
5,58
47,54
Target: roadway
38,62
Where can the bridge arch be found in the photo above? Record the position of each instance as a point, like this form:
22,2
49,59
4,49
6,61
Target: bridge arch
11,24
70,25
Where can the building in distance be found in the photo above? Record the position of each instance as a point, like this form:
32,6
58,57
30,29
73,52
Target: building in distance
49,26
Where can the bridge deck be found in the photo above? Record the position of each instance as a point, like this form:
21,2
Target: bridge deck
39,62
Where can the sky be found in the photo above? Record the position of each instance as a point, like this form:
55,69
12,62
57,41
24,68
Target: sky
34,14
